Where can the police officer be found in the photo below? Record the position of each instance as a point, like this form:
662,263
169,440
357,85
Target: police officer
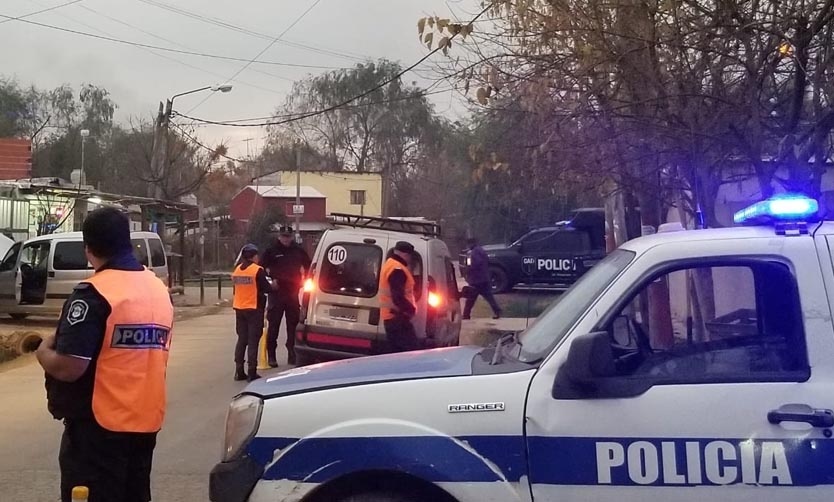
105,368
477,276
286,263
396,299
251,287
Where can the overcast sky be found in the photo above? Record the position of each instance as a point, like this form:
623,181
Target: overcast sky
335,32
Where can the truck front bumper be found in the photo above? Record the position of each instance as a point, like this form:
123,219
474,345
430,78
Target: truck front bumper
234,481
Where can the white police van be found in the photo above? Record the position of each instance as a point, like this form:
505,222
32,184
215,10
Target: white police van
686,366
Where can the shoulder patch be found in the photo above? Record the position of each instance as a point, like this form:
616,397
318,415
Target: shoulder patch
77,312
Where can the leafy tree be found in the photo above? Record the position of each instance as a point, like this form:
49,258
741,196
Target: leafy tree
260,227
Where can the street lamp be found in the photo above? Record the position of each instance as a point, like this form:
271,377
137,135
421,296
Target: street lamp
224,88
85,133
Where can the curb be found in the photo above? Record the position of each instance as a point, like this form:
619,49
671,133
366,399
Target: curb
186,313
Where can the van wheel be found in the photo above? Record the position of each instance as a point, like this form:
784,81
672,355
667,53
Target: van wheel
378,496
18,317
498,280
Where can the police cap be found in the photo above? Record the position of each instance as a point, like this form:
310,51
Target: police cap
404,247
285,230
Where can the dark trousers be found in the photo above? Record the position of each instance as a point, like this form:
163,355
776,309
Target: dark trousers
249,325
281,304
401,335
115,466
484,290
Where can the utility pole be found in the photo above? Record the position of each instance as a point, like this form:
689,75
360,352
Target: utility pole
298,191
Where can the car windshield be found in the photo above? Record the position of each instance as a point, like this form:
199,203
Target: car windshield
553,324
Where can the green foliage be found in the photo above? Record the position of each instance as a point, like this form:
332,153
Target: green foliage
260,227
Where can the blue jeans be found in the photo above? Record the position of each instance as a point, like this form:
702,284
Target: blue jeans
484,290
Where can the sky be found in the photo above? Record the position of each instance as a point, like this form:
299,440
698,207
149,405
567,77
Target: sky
319,33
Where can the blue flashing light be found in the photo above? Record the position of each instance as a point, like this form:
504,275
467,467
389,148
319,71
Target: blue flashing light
780,208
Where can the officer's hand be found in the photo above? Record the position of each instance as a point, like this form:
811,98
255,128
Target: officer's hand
47,343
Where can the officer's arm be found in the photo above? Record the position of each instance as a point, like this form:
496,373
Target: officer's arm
264,286
66,356
397,282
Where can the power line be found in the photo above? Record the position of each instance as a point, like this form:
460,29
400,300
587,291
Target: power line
250,32
167,49
374,88
236,123
19,18
202,145
269,46
159,37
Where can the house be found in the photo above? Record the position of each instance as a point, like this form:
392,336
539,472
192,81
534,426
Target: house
254,199
346,191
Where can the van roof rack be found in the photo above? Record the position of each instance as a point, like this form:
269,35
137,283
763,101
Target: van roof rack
408,226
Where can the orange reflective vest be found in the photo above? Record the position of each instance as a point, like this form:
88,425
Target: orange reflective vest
129,381
386,303
246,287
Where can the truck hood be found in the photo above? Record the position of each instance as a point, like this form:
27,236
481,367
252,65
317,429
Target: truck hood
435,363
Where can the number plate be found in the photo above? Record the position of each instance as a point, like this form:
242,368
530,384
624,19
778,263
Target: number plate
344,314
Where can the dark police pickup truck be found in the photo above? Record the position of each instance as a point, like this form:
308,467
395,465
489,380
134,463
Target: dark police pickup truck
555,255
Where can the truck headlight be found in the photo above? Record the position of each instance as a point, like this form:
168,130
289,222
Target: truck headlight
242,423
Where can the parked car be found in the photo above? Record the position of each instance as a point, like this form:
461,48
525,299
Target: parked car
38,275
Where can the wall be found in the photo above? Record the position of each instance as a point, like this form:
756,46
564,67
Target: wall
247,204
336,186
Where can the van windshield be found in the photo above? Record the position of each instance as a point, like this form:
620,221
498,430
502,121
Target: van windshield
553,324
351,269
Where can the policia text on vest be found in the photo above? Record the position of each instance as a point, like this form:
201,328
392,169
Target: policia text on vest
397,301
105,368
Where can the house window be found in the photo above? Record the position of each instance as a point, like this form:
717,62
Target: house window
357,197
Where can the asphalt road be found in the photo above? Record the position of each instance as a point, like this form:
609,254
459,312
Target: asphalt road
200,387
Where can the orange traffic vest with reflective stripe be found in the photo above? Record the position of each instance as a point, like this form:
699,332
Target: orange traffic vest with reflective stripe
386,303
246,287
129,382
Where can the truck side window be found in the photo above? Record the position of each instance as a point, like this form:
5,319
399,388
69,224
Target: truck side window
537,241
720,323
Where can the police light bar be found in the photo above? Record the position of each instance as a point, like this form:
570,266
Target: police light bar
781,208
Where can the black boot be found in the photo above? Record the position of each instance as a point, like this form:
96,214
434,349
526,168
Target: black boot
240,375
273,363
253,374
291,357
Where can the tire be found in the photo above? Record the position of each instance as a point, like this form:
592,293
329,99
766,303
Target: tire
498,280
378,496
18,317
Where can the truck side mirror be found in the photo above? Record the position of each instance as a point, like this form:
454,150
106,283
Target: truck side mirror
590,371
520,246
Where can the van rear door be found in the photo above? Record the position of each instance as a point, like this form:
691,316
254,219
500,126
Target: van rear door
346,298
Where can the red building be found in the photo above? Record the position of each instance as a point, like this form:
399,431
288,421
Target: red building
15,159
253,200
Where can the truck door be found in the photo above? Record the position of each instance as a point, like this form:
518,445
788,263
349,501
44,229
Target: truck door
722,394
8,276
554,252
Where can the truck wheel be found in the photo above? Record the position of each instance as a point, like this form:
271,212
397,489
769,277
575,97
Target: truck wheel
498,280
302,359
378,496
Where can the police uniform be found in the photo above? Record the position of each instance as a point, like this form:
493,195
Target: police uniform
120,320
397,302
285,265
251,287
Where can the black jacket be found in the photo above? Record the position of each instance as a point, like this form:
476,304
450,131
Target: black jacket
285,263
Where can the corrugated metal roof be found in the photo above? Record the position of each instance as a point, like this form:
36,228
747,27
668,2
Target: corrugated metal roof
285,192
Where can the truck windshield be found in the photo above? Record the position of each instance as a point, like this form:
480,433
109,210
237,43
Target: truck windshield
553,324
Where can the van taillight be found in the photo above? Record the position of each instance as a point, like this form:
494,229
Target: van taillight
309,285
435,300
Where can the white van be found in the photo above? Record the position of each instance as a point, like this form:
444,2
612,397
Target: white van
38,275
340,315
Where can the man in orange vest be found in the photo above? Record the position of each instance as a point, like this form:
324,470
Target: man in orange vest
105,368
251,287
396,299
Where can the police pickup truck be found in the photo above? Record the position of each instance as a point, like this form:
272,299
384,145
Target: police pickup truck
556,255
686,366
